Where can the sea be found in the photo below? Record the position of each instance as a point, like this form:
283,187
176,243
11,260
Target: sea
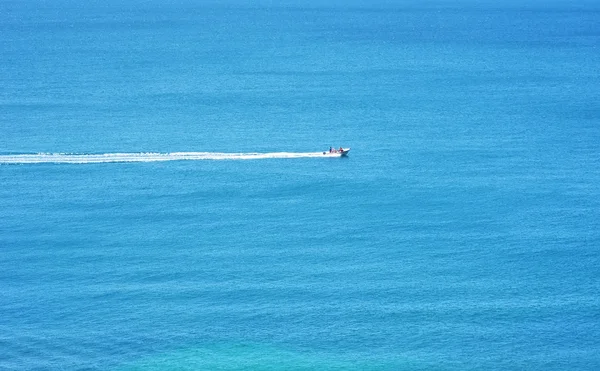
165,203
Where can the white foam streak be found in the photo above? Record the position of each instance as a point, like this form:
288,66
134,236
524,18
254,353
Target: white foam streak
67,158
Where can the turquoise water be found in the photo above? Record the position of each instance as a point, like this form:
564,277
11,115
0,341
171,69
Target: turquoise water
461,233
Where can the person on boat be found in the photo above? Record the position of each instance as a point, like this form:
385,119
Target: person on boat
330,149
341,149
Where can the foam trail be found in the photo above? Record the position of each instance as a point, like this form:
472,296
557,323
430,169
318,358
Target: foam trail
68,158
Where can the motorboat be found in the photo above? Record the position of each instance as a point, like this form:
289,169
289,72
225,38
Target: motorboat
341,152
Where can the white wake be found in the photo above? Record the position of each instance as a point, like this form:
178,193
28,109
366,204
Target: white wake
72,158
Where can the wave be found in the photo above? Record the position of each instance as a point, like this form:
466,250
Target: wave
73,158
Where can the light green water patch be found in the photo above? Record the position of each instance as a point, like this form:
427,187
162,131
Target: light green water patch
262,357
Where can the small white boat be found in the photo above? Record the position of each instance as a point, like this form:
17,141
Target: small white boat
337,152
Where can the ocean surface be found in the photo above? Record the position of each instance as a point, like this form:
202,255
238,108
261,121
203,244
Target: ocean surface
165,205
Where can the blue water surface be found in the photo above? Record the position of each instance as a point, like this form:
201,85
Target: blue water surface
461,233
